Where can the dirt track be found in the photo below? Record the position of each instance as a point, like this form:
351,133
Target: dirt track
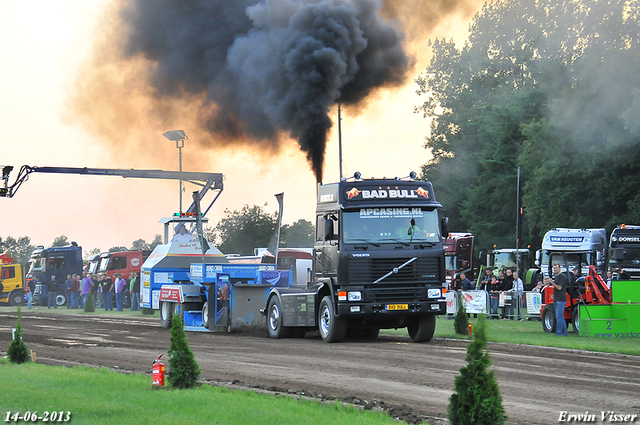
413,381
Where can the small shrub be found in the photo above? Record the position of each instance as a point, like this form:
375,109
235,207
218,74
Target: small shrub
477,399
461,322
184,370
90,305
18,351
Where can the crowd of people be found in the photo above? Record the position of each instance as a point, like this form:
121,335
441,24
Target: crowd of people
100,286
507,284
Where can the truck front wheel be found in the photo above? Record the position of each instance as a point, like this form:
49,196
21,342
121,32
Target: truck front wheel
549,318
61,299
274,320
332,328
166,314
16,298
422,328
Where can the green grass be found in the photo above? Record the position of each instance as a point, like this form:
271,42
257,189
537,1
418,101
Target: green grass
531,333
101,396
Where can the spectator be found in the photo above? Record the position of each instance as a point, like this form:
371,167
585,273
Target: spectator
74,288
67,290
119,288
106,287
95,290
484,282
87,285
467,285
623,275
135,291
494,288
505,286
609,278
517,290
559,283
52,291
28,295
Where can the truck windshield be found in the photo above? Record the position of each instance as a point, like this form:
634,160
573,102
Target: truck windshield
103,265
93,267
37,265
385,225
509,260
631,256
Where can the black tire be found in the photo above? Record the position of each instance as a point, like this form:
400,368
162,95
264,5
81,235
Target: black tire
205,315
422,328
16,298
575,320
549,318
332,328
166,314
274,320
61,299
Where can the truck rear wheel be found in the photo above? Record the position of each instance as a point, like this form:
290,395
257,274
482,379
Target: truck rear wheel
274,320
332,328
422,328
549,318
166,314
575,320
16,298
61,299
205,314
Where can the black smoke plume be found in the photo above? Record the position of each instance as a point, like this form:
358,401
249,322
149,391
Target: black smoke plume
267,67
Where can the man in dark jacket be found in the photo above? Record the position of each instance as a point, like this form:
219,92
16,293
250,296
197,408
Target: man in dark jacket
52,290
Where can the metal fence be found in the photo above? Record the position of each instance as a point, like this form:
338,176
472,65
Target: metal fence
506,305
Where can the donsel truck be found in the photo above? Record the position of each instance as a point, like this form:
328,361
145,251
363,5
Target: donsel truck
624,250
378,263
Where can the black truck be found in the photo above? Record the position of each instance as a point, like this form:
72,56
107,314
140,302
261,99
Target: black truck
378,264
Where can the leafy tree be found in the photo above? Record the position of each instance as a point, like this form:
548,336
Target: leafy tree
476,399
61,240
89,254
118,249
18,351
157,240
20,249
239,232
300,234
184,370
548,86
90,305
139,245
461,321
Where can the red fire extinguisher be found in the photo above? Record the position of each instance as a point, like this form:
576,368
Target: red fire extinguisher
470,329
158,372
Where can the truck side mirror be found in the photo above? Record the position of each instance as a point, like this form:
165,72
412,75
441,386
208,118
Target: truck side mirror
444,226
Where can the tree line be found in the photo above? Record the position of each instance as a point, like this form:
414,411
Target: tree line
548,86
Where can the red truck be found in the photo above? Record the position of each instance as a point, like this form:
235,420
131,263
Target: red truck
458,258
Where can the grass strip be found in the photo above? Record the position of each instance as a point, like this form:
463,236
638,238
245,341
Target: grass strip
102,396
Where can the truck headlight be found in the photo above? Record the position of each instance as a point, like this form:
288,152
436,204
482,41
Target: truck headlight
355,296
434,293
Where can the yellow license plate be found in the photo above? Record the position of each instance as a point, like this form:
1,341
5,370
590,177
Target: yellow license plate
397,307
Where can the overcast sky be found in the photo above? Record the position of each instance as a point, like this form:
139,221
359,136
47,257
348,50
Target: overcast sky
45,43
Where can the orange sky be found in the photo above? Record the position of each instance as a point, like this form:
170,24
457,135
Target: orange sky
45,51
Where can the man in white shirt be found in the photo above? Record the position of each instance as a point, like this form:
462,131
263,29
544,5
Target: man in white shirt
517,289
182,235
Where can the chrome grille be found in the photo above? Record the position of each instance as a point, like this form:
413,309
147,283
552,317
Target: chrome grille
364,271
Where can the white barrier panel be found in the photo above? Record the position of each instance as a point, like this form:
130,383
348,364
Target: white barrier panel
452,302
534,301
475,301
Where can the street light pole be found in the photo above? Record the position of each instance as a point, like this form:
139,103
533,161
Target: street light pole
178,136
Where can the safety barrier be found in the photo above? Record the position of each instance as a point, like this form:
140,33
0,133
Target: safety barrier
508,305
